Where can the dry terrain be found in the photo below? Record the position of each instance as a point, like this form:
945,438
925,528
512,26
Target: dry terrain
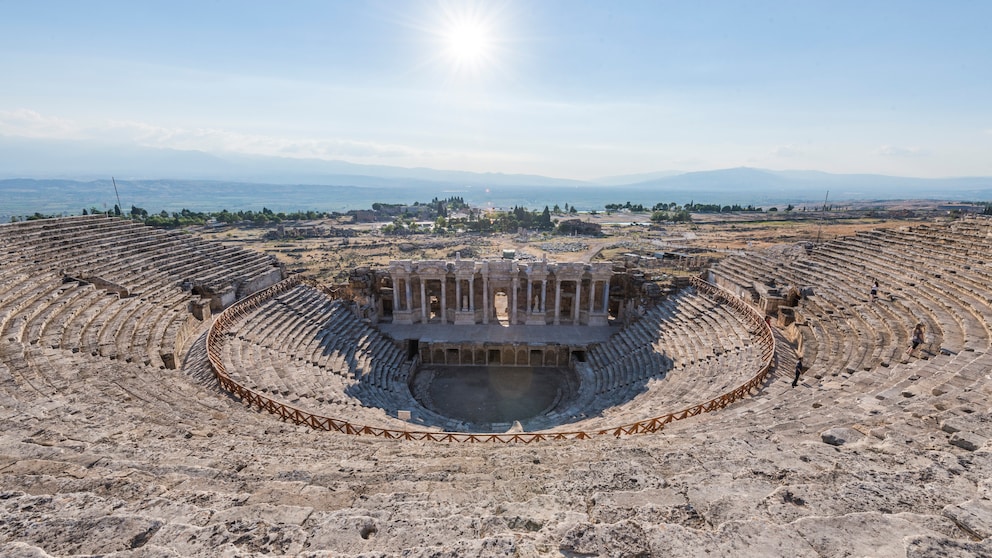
108,450
328,259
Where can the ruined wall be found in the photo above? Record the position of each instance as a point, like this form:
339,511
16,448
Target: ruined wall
497,354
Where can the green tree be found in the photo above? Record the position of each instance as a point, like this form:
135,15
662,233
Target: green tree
544,223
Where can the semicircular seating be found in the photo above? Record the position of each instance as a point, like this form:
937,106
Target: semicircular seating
310,351
939,288
108,286
100,454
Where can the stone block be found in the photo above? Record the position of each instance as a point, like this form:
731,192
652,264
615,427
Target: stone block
951,426
840,436
625,538
967,440
974,516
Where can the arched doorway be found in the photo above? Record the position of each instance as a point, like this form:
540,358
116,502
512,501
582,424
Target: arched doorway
501,303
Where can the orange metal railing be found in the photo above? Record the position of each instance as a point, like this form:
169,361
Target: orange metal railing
251,398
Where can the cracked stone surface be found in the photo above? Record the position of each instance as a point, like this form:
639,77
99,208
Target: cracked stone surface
100,456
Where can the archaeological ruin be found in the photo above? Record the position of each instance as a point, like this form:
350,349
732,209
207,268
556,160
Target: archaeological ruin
163,395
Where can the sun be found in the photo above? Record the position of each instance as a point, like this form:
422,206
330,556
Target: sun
468,42
469,37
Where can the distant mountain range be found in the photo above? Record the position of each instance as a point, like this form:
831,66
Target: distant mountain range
66,176
77,160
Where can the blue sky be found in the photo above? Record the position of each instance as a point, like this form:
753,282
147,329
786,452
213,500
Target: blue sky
561,88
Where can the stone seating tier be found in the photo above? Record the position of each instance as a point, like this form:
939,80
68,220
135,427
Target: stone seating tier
148,263
102,457
934,289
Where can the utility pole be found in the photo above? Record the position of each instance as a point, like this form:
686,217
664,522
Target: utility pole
118,195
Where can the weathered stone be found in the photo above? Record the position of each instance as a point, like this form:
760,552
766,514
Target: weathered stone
88,535
951,426
944,547
646,507
100,454
531,515
967,440
859,534
22,550
985,488
622,539
840,435
974,516
234,537
293,515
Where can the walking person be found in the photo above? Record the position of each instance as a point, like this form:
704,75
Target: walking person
799,371
874,291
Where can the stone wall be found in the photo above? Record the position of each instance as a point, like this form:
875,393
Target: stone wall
472,292
497,354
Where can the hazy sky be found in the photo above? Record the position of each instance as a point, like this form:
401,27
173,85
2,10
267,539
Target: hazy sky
561,88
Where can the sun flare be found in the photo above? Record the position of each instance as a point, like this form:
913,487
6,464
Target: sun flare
468,42
469,37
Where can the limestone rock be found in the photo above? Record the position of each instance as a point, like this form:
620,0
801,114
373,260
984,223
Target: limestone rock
974,516
22,550
951,426
967,440
530,516
623,539
293,515
860,534
67,535
646,506
104,455
985,488
930,547
234,537
840,435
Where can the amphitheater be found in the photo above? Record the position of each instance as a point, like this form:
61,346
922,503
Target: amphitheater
166,396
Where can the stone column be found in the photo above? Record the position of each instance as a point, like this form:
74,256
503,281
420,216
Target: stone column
557,302
471,293
485,299
606,296
458,295
530,297
444,300
577,302
409,295
423,301
515,285
592,296
544,292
